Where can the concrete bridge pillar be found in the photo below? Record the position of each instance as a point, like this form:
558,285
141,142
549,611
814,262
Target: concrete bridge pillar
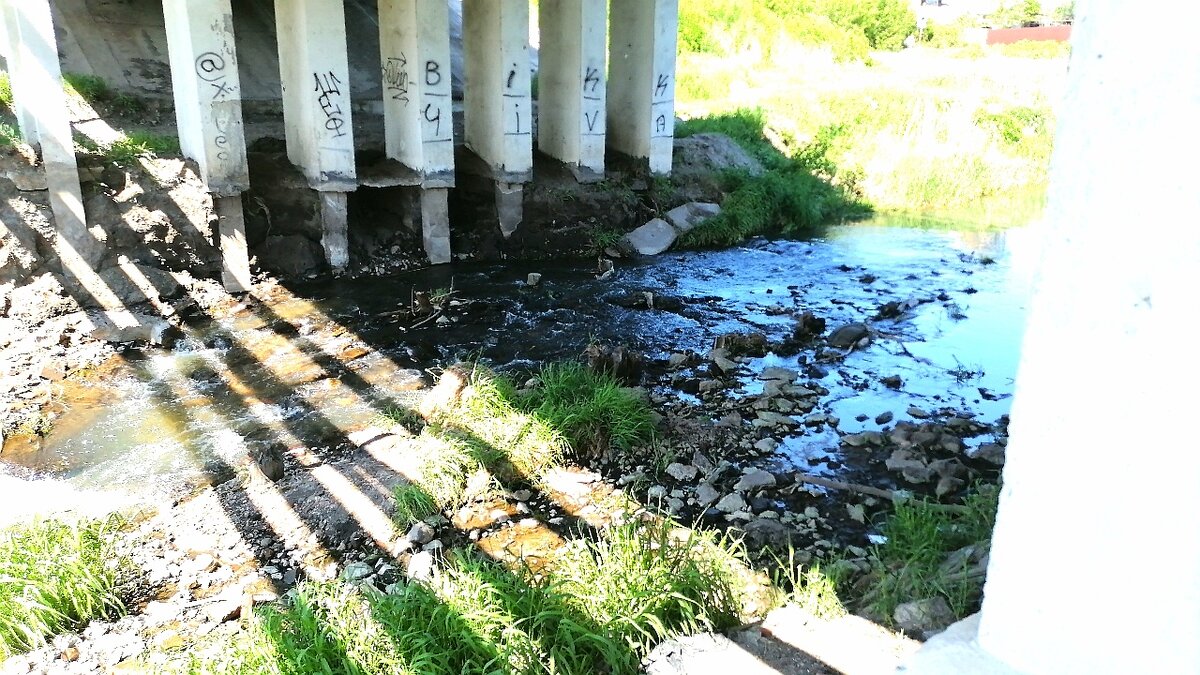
571,84
1095,560
9,40
208,111
499,106
643,35
414,37
315,74
42,95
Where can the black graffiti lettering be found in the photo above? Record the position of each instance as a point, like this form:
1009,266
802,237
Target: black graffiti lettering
395,76
221,89
591,80
591,119
221,141
433,73
660,124
328,86
664,81
210,66
436,119
512,74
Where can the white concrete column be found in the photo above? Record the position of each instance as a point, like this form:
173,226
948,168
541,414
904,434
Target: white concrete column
414,37
208,104
571,84
641,80
499,111
235,252
1095,561
435,224
9,39
315,73
37,54
208,113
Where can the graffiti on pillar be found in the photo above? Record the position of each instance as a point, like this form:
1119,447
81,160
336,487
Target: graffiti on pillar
593,102
328,88
433,74
211,68
662,108
433,116
221,140
518,115
662,86
436,111
395,77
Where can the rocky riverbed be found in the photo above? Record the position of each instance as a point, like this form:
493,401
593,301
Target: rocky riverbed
800,386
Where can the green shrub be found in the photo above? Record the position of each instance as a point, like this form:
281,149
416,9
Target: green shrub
9,135
885,23
141,144
1014,124
55,577
1065,13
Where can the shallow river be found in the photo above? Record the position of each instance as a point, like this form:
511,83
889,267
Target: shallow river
315,363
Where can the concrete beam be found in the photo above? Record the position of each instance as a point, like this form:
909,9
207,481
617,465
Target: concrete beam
571,84
499,109
10,37
1071,585
208,105
641,80
315,74
414,38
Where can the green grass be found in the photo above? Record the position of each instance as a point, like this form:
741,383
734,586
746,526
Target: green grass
141,144
6,93
791,197
590,409
910,565
811,587
55,577
9,135
96,91
599,611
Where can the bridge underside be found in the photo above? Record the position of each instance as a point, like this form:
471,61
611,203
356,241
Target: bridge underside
355,78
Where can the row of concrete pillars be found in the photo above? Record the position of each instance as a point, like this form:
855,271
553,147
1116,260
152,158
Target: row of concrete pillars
606,80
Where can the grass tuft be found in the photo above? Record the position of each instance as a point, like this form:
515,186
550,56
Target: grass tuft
6,93
141,144
590,409
911,564
55,577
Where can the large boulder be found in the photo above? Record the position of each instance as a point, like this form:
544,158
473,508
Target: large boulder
652,238
686,217
710,154
293,255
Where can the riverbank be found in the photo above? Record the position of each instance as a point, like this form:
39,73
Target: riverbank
753,400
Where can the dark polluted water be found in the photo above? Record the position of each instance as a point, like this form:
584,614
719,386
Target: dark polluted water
311,365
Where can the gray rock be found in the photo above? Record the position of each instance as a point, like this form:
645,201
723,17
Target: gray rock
656,492
923,616
420,566
724,364
754,479
766,445
682,471
989,452
356,571
703,154
847,336
732,503
706,494
917,413
420,534
884,418
911,467
291,255
652,238
949,485
127,327
786,375
688,216
677,360
766,531
533,279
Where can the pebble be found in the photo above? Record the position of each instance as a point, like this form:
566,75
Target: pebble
682,472
754,479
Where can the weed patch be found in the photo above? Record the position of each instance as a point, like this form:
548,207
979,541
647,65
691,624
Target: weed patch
601,610
55,577
918,559
6,93
590,409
